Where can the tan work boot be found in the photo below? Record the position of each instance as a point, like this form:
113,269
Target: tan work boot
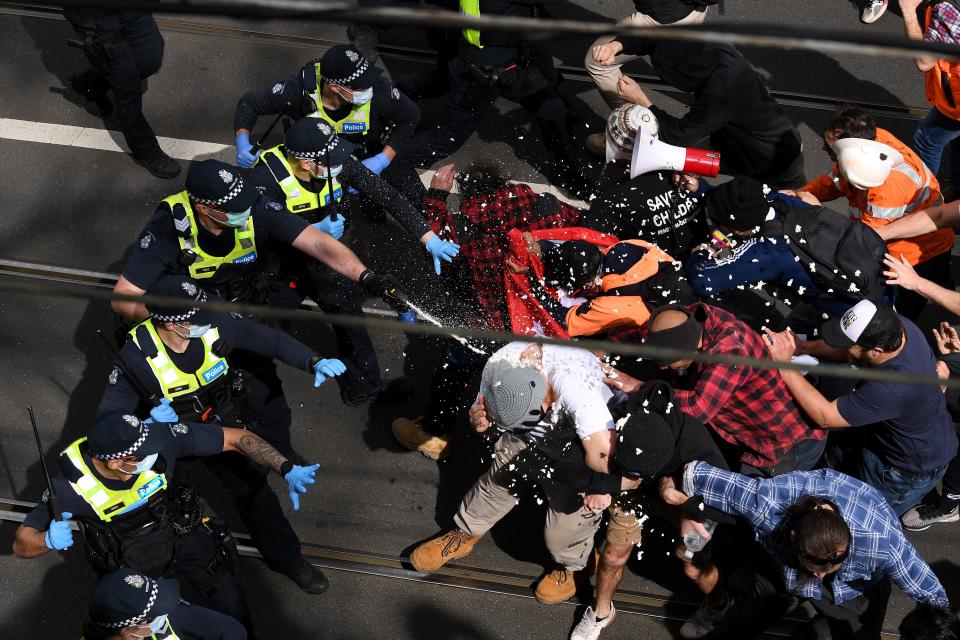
556,586
410,434
452,545
596,144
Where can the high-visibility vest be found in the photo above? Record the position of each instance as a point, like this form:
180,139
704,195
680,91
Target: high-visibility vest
174,382
357,121
205,265
298,200
942,81
471,8
106,502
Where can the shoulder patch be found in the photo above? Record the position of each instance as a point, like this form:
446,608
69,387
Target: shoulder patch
277,88
395,93
179,429
273,205
114,375
146,240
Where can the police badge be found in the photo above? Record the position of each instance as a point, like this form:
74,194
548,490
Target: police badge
277,88
189,288
146,240
179,429
114,375
352,56
131,420
324,127
226,176
134,580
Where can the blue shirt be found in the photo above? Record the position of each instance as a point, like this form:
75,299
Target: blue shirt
878,547
910,426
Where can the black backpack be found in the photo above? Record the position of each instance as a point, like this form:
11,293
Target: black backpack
847,255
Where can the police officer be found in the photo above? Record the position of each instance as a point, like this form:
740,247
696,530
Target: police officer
185,357
297,173
216,231
124,48
115,483
348,92
127,604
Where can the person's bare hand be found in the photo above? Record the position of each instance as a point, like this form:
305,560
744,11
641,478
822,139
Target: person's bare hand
688,181
688,525
670,493
596,501
630,91
443,178
478,416
605,53
629,484
947,339
808,197
782,346
618,379
901,273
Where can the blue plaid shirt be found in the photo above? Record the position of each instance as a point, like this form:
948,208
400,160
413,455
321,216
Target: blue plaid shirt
878,547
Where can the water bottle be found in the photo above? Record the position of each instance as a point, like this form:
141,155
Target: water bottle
694,542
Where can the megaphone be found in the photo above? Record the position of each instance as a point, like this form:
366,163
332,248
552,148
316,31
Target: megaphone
650,154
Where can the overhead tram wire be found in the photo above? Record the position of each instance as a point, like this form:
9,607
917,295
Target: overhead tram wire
57,287
760,35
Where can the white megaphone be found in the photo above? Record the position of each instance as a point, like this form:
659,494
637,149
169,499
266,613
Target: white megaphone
650,154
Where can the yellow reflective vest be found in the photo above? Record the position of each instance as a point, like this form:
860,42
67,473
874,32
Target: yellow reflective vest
205,266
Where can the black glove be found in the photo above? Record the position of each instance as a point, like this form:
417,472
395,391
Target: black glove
375,284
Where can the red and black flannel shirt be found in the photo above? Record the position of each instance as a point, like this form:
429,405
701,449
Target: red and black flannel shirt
485,246
750,408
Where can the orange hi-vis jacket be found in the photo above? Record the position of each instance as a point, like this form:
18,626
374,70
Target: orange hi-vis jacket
943,80
606,313
910,187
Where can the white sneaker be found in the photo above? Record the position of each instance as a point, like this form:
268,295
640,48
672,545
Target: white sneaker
873,10
589,627
703,621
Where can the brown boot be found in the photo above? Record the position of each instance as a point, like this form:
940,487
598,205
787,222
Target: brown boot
410,434
452,545
596,144
556,587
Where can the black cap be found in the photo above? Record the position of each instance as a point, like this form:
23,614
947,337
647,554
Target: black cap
126,598
185,289
645,444
219,185
311,138
685,336
571,265
119,435
346,66
740,204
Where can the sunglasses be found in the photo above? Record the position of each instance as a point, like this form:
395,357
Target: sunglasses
823,562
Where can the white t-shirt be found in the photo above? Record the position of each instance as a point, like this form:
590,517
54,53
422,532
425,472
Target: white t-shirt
577,382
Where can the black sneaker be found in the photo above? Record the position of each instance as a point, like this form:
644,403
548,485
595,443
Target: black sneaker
162,166
93,88
309,578
923,516
355,400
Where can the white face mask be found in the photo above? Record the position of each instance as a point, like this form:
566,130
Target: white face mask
360,97
144,465
157,625
334,171
193,331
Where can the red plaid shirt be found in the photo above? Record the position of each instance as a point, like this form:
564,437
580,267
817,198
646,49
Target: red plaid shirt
485,247
750,408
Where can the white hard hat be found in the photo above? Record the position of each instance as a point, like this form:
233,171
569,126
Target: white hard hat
865,163
622,126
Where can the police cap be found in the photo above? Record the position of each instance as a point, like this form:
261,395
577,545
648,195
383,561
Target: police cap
126,598
219,185
312,138
184,288
119,435
346,66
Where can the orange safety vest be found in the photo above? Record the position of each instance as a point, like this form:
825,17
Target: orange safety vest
605,313
943,80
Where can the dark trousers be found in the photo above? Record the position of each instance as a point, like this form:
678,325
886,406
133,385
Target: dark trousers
951,479
197,563
138,48
937,269
259,508
458,365
802,456
761,599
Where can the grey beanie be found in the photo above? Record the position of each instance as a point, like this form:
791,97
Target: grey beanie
514,396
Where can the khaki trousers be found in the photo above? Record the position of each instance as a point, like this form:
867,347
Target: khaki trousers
607,77
569,536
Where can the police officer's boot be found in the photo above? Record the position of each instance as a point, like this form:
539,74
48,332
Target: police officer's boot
160,164
309,578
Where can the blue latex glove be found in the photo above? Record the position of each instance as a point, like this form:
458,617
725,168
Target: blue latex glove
297,480
409,316
163,412
327,369
331,227
244,156
441,249
376,163
60,536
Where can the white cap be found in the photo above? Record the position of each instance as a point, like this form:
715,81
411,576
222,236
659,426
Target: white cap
623,124
845,331
865,163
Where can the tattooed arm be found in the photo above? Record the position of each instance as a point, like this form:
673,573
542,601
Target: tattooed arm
254,447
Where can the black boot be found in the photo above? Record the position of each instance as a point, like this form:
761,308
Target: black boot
160,165
309,578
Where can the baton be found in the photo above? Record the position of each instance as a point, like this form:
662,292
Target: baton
256,145
151,397
333,202
53,503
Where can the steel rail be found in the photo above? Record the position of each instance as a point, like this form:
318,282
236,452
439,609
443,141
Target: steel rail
381,565
794,99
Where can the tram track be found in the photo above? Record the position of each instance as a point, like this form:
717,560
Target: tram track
794,99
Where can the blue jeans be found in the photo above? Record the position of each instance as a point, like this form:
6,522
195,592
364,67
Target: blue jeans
901,488
934,133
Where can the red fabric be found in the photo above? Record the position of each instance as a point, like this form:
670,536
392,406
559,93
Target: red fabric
493,216
749,408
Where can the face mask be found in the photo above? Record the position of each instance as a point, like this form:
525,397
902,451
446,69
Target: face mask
362,97
195,331
159,624
144,465
334,172
238,220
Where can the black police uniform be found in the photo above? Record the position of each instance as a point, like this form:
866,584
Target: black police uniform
220,402
393,121
144,538
332,292
124,48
